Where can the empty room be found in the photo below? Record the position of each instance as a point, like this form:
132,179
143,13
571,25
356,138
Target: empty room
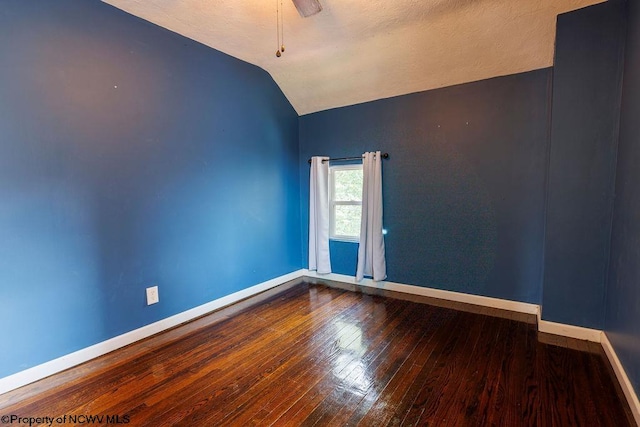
320,212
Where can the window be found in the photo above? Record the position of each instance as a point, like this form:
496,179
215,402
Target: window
345,202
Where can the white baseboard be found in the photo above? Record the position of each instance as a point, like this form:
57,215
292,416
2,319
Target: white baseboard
623,379
67,361
503,304
570,331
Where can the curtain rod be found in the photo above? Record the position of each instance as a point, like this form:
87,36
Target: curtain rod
339,159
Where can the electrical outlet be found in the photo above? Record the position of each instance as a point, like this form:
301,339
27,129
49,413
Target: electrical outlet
152,295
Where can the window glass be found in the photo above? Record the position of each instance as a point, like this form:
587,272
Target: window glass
345,193
348,185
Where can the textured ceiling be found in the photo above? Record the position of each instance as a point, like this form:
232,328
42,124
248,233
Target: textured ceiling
361,50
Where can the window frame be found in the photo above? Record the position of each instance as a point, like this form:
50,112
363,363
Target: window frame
333,203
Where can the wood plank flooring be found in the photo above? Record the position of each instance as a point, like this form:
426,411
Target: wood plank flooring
314,355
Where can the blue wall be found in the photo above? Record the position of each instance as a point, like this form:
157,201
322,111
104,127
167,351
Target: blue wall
622,322
131,156
464,185
585,113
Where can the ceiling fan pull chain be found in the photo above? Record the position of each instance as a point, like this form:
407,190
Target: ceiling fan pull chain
281,28
278,29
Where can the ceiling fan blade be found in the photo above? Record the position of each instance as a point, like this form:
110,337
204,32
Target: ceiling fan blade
307,7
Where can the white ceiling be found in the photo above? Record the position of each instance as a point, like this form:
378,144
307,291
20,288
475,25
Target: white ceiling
361,50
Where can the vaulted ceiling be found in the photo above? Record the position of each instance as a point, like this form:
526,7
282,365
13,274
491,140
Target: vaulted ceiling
361,50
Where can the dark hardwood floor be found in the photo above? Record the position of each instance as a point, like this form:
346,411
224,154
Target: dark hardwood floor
317,355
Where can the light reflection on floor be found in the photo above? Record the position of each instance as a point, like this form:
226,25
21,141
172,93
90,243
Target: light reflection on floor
349,366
